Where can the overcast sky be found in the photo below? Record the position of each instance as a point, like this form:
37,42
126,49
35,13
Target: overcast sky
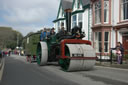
28,15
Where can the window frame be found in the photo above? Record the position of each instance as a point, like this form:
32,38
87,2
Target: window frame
106,41
107,14
74,23
80,19
98,42
122,10
97,9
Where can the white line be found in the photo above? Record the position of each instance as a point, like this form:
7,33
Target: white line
2,69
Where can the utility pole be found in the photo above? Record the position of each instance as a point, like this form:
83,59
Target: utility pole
17,39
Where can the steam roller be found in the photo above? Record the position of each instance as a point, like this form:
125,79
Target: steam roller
71,54
67,48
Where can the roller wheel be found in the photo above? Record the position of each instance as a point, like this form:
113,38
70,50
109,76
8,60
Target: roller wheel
64,63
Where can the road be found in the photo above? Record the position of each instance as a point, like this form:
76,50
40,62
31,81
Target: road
19,72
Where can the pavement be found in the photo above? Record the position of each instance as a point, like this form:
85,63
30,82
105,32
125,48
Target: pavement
113,65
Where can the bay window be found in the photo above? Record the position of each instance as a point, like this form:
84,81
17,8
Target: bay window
106,42
124,9
74,20
98,12
98,41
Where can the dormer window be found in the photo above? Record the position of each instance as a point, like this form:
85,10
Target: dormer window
124,9
78,4
62,14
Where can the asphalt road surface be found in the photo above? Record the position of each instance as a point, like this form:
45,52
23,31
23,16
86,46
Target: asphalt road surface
19,72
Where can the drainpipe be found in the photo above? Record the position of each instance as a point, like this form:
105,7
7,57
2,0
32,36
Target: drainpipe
112,22
88,23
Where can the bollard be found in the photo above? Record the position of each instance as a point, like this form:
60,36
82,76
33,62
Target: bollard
111,57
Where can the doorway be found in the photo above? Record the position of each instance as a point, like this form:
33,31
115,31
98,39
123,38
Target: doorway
125,44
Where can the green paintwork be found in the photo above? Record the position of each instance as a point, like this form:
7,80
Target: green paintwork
78,11
77,3
64,63
30,48
38,58
52,40
86,6
60,19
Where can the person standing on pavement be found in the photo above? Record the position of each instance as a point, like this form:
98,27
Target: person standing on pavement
119,45
119,55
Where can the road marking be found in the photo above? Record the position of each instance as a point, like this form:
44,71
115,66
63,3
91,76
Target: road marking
1,70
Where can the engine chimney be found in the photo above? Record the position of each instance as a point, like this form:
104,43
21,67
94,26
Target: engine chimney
68,19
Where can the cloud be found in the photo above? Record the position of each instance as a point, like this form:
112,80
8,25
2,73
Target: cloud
28,13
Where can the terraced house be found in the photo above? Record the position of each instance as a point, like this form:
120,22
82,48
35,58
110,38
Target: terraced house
110,24
105,22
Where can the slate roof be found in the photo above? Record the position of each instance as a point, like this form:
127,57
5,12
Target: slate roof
86,2
67,4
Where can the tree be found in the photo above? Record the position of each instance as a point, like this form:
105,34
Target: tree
10,38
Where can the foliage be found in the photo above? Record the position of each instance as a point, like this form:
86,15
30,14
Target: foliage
126,56
9,37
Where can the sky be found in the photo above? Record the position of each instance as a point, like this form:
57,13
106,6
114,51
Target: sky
28,15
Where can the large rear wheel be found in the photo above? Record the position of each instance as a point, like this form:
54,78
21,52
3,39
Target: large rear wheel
42,53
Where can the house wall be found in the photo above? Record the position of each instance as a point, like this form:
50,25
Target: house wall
115,12
85,23
114,20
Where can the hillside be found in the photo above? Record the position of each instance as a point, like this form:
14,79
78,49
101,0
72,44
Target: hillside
8,38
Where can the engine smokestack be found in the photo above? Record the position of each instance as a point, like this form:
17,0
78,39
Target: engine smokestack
68,19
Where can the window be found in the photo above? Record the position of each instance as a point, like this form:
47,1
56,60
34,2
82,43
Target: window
61,12
58,25
80,20
74,20
98,12
98,41
62,23
78,4
106,10
124,9
28,40
106,42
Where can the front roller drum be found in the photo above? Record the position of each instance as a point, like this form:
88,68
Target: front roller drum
42,53
77,62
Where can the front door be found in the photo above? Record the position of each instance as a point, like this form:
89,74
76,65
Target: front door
125,44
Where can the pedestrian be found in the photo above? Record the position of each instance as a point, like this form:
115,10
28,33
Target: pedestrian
119,55
119,45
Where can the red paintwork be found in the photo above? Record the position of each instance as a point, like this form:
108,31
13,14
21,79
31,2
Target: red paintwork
85,58
73,41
